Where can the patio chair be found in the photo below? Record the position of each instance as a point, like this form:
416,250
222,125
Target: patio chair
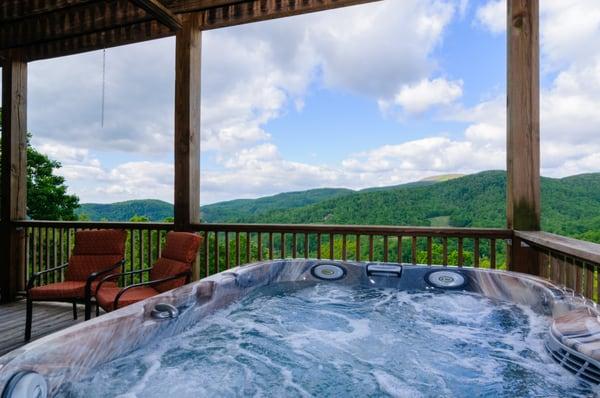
173,269
96,254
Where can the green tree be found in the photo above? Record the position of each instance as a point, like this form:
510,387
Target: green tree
47,197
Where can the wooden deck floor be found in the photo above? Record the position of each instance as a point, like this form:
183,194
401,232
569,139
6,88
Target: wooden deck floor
47,318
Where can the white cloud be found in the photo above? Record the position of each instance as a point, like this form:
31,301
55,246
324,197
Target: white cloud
492,16
387,56
419,97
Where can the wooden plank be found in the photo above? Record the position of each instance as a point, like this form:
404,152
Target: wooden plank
11,10
160,12
187,124
495,233
261,10
71,22
583,250
118,36
13,177
523,135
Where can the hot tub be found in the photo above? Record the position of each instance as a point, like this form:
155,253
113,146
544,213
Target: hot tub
327,328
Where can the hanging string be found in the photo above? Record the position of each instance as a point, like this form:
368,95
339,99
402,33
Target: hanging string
103,86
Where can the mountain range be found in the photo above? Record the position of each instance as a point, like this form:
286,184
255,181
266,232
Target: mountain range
570,205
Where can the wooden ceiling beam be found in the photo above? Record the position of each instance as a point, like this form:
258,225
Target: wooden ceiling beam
14,10
101,25
123,35
260,10
160,12
72,22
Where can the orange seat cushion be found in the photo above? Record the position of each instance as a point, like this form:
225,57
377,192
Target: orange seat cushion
165,268
106,296
64,290
181,246
100,242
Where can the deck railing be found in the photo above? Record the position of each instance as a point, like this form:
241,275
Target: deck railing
566,261
227,245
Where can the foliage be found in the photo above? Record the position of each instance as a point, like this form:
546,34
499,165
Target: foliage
570,206
154,210
47,197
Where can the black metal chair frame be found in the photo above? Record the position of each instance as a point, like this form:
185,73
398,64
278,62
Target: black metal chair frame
87,296
186,274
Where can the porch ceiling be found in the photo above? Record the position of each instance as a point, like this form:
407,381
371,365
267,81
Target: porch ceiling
40,29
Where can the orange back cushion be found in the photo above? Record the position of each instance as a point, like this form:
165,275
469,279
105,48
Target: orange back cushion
178,256
95,250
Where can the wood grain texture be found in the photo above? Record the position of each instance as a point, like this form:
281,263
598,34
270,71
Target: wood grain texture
48,318
587,251
523,135
239,12
13,177
162,13
187,123
52,28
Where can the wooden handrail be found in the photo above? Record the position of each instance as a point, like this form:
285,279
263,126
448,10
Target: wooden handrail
582,250
497,233
362,229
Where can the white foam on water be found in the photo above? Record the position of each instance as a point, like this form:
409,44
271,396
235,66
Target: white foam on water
394,387
333,340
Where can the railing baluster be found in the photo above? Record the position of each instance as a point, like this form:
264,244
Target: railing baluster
149,247
357,247
429,250
589,281
217,263
270,245
34,265
399,254
445,251
249,247
282,241
158,241
294,249
331,246
28,248
370,247
318,246
62,258
385,248
141,253
493,253
237,248
47,254
260,249
476,253
578,276
55,276
131,254
344,247
68,244
227,265
461,259
206,249
414,250
562,278
306,246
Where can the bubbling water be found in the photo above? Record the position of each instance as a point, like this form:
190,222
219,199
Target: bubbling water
334,340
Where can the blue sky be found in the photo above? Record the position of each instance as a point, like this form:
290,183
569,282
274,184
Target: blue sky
370,95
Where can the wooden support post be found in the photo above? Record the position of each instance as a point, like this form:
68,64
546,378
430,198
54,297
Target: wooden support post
187,123
523,128
13,177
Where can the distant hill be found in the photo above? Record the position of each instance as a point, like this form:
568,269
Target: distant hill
443,177
155,210
570,206
242,210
